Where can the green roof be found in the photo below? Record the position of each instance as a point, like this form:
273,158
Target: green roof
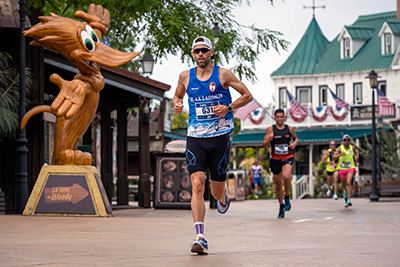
319,135
175,136
360,32
307,53
329,61
394,26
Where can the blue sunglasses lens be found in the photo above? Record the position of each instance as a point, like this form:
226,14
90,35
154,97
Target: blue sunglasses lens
202,50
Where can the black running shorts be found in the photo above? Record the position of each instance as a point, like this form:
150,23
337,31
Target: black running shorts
331,173
277,164
210,153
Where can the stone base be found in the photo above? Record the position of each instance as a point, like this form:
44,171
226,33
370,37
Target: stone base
66,190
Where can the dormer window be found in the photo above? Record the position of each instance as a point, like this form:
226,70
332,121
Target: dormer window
390,37
352,39
388,43
346,47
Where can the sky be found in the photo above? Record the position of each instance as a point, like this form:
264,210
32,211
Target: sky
288,17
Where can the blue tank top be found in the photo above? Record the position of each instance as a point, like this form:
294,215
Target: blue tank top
256,171
202,97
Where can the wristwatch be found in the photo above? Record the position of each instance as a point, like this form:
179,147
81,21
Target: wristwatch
229,108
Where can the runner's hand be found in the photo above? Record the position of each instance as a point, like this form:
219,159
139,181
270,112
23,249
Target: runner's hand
220,110
271,136
292,145
178,107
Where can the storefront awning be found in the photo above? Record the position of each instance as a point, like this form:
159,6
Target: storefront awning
306,136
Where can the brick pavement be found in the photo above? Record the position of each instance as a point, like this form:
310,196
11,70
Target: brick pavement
316,232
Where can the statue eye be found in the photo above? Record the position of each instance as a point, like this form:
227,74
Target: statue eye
87,41
89,38
92,33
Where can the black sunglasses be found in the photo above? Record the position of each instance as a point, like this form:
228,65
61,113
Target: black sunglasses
202,50
332,145
346,139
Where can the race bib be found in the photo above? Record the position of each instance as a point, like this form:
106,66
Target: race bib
281,149
204,110
345,165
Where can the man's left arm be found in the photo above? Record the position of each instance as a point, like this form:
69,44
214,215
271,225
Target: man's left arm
294,137
355,156
228,79
262,170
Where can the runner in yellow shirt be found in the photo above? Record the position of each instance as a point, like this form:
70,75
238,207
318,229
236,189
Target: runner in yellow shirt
331,169
348,160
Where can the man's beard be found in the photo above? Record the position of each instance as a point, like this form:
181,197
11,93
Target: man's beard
204,63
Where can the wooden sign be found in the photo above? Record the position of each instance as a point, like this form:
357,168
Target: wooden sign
73,194
365,113
68,191
66,194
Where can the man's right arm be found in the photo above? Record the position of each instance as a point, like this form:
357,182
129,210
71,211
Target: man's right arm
269,135
180,91
325,157
337,154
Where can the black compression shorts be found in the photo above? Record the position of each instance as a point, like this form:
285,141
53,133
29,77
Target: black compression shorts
211,153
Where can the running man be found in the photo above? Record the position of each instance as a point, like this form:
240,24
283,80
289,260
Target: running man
210,123
348,160
331,170
256,171
279,136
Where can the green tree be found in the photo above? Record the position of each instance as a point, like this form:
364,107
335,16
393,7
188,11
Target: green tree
9,97
389,153
179,121
168,27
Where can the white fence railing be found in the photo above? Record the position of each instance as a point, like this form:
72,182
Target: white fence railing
302,186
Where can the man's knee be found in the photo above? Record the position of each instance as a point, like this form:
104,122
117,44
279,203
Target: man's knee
286,176
198,185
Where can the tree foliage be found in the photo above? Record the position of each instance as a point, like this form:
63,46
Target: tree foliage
9,97
168,27
389,153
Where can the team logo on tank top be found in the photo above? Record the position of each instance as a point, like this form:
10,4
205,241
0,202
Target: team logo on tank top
212,86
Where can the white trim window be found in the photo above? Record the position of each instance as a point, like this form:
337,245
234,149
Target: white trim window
282,97
346,47
303,95
323,95
340,91
388,43
357,87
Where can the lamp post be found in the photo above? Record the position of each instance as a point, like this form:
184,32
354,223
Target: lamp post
380,126
147,63
144,154
22,150
217,34
373,81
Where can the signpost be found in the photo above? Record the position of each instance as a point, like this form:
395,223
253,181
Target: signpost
68,191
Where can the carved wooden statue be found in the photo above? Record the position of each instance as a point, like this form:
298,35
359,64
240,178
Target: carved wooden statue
76,104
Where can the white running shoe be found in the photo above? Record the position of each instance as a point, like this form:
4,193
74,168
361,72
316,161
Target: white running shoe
328,193
335,197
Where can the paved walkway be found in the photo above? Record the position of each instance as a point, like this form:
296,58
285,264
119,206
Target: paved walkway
316,232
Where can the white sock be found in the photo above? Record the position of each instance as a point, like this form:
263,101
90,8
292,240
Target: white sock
199,227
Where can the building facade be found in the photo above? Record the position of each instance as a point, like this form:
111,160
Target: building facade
316,69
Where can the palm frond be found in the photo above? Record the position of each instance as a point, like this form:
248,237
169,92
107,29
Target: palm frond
9,96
